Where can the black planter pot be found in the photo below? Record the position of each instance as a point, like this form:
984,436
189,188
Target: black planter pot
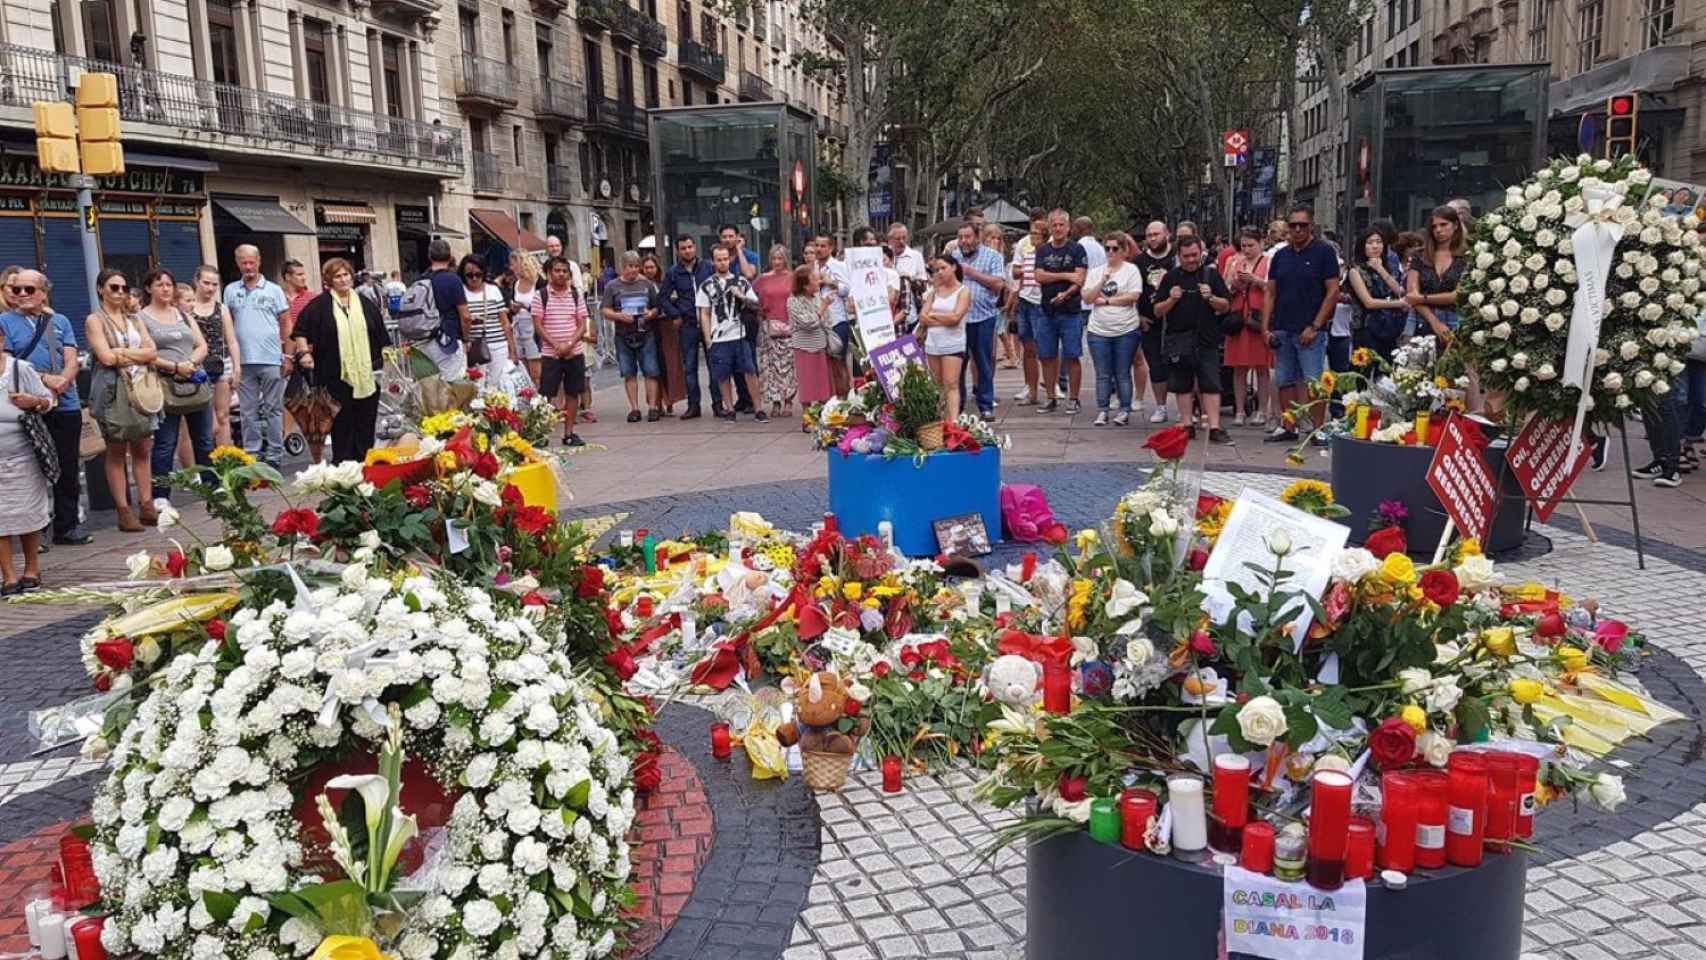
1090,899
1365,473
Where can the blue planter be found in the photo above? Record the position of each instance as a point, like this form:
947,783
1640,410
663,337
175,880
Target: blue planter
866,490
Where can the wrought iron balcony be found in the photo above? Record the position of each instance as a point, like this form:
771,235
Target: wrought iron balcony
419,9
753,87
563,101
702,61
560,182
485,82
614,116
654,39
595,15
163,107
625,23
488,172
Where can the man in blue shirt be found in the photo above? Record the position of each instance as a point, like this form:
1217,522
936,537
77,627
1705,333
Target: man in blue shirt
260,314
54,355
982,268
1302,287
446,350
680,285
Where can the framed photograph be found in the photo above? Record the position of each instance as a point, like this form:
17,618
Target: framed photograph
963,536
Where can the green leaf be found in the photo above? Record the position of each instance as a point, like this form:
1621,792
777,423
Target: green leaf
220,906
579,793
1300,724
1227,722
341,906
1472,718
291,904
1331,709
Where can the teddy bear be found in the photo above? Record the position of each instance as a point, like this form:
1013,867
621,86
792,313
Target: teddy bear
820,704
1013,679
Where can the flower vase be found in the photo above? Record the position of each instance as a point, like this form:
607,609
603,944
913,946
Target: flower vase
930,436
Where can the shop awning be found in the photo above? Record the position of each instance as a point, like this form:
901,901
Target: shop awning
418,231
347,213
1657,70
261,215
502,227
165,162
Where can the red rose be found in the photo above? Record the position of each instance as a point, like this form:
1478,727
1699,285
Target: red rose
1393,743
115,654
622,662
526,393
487,465
1072,788
909,657
613,621
1550,625
916,676
103,682
533,598
1611,634
1440,587
851,707
298,521
418,495
934,650
511,496
1337,603
1207,503
1384,541
216,628
948,661
1203,644
1169,444
1196,559
591,583
880,669
475,373
648,775
175,563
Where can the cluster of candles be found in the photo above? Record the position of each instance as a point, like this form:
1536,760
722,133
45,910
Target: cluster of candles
56,925
1428,818
722,747
648,545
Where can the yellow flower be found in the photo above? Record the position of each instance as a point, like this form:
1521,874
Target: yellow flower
853,590
348,948
886,590
1526,691
1077,602
440,423
482,442
1398,569
383,455
228,452
1308,495
1086,540
1415,716
1442,383
1573,658
1362,357
1468,547
872,603
1500,640
446,462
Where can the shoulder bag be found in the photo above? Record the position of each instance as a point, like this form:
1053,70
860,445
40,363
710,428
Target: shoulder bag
35,428
187,396
478,353
144,391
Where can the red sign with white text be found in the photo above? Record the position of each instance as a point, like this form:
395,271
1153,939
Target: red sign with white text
1538,456
1461,479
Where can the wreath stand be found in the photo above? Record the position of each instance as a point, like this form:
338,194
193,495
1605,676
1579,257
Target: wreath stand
1631,504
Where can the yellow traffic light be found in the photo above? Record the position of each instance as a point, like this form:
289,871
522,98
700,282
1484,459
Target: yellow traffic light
97,90
98,124
56,138
103,159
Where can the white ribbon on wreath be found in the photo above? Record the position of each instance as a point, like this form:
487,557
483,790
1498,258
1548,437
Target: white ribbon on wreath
1595,240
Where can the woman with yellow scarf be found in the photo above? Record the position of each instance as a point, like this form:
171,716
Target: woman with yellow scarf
341,340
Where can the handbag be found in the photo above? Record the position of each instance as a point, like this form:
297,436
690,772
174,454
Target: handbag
778,327
835,345
1232,324
187,396
35,429
478,353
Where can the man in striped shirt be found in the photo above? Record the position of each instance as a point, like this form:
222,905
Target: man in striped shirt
561,321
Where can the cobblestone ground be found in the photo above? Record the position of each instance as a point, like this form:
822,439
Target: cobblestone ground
894,874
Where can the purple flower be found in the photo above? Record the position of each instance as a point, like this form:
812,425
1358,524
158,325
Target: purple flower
870,619
1394,511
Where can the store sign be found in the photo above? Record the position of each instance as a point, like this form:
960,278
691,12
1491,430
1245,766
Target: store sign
341,231
408,216
870,296
1459,476
1539,457
166,208
1285,920
21,172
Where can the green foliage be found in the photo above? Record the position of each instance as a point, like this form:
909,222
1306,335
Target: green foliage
919,401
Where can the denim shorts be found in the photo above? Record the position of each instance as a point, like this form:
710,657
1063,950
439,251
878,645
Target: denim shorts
1294,362
633,361
730,358
1059,334
1026,320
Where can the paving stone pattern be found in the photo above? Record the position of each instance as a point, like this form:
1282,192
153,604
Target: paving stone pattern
673,840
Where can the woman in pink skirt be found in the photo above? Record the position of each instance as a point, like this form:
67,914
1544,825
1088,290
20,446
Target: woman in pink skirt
809,318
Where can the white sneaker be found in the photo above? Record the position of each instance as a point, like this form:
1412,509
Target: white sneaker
1159,416
1023,394
1101,419
1122,418
1238,421
1059,392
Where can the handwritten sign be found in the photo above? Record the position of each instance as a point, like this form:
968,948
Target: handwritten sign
1243,541
1539,457
1459,476
889,362
1272,918
870,285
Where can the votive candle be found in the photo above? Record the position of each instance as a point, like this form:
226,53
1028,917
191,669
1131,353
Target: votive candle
1466,817
1526,785
1027,566
1137,808
1431,787
1257,854
52,927
1504,772
1190,820
643,606
1057,688
1359,849
86,942
1423,420
33,912
720,742
891,773
1373,422
1363,410
830,523
1399,805
1104,820
1329,823
1232,789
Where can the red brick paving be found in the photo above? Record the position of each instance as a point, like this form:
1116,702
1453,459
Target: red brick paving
24,864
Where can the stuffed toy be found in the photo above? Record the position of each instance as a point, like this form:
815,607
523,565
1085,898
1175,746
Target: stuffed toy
825,717
1013,679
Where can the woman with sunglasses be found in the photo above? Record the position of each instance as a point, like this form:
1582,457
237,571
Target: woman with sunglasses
489,321
122,347
943,321
179,352
223,357
1111,292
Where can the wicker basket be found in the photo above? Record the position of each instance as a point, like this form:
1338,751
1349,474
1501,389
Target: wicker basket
930,436
825,771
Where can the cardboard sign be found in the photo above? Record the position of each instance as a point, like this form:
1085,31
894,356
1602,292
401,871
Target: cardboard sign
1539,457
890,360
1284,920
1460,478
870,296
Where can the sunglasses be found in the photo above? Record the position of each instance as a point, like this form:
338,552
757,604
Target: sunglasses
18,291
1300,225
472,275
1111,247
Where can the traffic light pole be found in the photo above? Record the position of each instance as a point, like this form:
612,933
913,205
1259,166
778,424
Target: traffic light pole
86,227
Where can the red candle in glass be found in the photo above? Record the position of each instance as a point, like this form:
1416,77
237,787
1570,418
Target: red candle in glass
1504,771
891,773
1057,687
1231,801
1527,775
1359,849
1399,806
1329,823
1431,787
1466,815
1373,422
1027,566
1257,855
1136,809
643,607
86,934
829,522
720,743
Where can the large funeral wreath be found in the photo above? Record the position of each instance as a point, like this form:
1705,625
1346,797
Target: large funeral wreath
196,842
1519,294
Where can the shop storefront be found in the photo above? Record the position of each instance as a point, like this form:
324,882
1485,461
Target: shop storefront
256,220
144,218
343,228
415,232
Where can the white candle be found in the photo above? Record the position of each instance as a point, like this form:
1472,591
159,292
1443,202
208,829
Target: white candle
885,533
1190,821
52,936
33,912
71,922
626,538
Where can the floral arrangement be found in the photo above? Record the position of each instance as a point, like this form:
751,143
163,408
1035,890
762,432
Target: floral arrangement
1409,385
196,841
1517,300
865,422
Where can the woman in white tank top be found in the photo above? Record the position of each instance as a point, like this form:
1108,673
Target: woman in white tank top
943,321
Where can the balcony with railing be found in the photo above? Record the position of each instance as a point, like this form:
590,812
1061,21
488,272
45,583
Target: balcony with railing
562,101
484,82
418,9
488,172
753,87
696,58
595,15
166,108
624,23
560,182
653,38
614,116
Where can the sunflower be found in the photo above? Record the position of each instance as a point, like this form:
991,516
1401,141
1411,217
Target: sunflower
1362,357
1212,522
1329,380
1308,495
383,455
229,452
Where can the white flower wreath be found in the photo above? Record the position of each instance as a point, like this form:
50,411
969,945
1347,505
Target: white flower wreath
194,827
1517,298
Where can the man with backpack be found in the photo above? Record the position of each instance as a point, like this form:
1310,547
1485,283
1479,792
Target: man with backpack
434,314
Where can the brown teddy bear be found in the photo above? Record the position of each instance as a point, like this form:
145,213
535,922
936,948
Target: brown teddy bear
825,717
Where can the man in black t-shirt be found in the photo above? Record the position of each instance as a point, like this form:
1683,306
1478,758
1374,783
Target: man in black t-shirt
1060,270
1189,302
1153,261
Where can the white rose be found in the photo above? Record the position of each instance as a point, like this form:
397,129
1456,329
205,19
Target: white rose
1510,308
168,513
1125,599
1434,747
1499,364
1353,563
1443,695
1501,234
138,564
1640,177
1529,223
1520,360
217,557
1612,382
1643,378
1542,281
1519,286
1569,174
1545,238
1624,271
1660,387
1138,651
1414,680
1555,321
1261,721
1607,792
1555,296
1545,372
1521,385
1477,573
1502,331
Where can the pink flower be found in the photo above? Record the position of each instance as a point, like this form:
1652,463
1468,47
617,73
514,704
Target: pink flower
1203,644
1610,634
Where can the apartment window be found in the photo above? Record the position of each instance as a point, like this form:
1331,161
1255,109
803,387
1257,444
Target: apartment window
100,29
515,143
550,153
314,44
594,68
586,167
509,36
1590,23
651,73
625,78
221,38
1415,10
1657,21
391,53
684,22
1392,14
527,220
1415,53
477,134
468,25
686,93
708,31
543,45
1537,17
